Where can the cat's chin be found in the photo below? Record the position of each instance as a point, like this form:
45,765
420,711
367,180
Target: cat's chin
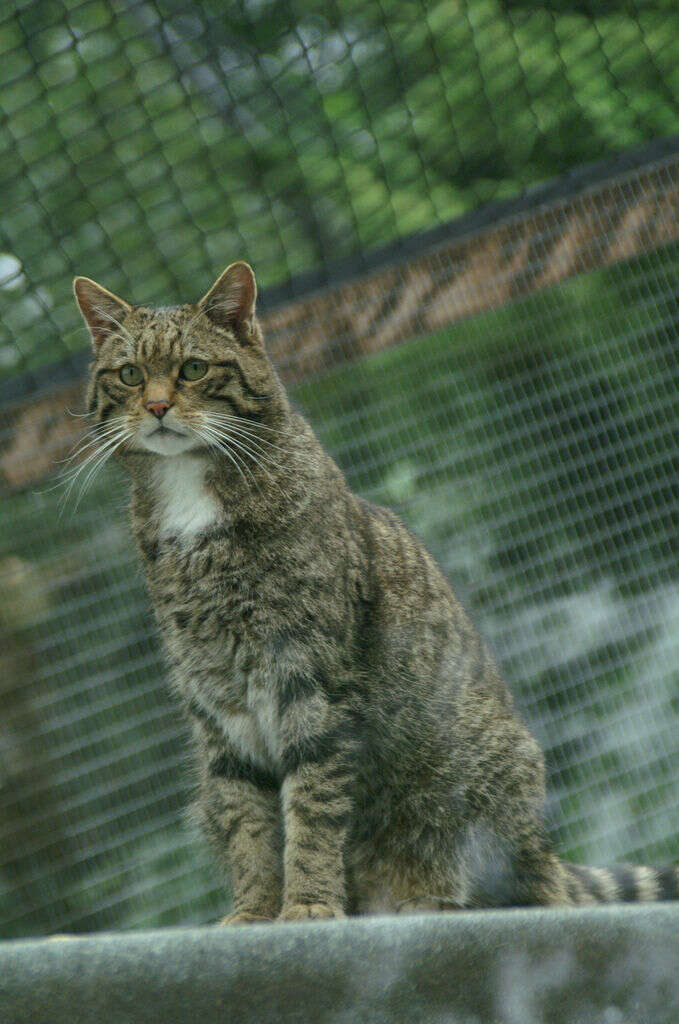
168,442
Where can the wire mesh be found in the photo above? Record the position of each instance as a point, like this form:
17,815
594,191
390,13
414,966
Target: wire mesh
510,389
146,140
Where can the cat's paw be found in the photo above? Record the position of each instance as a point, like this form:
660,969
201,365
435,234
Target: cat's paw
243,917
310,912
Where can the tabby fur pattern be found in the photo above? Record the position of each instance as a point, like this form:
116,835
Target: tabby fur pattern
358,750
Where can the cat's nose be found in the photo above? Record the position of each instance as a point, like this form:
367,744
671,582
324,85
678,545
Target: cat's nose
158,408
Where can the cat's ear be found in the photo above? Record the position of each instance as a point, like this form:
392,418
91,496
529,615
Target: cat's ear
231,300
101,309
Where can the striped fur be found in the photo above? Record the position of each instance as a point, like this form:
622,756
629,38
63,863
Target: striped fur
624,883
357,749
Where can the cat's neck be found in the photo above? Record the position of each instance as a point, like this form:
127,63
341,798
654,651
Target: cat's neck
183,503
183,496
186,495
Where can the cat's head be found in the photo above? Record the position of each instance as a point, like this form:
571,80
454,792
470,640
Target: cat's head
172,380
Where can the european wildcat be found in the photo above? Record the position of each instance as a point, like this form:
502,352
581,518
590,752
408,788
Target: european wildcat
358,749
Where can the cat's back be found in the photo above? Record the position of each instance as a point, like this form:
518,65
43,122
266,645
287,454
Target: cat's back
422,632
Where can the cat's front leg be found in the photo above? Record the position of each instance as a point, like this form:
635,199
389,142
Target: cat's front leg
240,806
319,760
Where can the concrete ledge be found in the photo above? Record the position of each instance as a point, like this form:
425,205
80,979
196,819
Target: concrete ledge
604,965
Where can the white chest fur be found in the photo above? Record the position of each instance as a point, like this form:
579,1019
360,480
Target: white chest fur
254,735
253,732
184,503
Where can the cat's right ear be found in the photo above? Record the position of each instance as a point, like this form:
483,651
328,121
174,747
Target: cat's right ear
101,309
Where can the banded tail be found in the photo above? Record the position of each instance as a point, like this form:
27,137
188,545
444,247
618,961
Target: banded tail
624,883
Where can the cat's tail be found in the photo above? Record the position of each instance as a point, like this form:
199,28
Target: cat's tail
624,883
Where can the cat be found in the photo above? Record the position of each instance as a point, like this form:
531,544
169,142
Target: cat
357,748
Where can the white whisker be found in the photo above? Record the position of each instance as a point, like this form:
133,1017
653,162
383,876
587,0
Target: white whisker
239,421
96,467
220,442
221,429
90,437
254,424
258,443
68,474
246,451
224,440
74,471
90,465
79,415
212,439
242,425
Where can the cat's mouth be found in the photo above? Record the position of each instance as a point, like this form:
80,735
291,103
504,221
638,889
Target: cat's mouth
166,440
162,430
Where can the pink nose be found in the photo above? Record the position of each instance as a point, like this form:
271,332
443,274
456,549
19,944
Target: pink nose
158,408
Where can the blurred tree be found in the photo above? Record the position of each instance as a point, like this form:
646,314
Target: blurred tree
149,145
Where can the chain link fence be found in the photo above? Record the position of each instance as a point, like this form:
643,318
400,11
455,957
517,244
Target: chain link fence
494,357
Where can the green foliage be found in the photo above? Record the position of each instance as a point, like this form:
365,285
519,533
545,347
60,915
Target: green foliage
149,146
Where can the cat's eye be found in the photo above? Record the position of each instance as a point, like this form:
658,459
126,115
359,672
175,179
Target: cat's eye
193,369
131,375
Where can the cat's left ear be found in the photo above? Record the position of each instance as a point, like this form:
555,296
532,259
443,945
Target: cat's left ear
102,311
231,300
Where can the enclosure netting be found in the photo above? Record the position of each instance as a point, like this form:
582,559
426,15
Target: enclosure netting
508,381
